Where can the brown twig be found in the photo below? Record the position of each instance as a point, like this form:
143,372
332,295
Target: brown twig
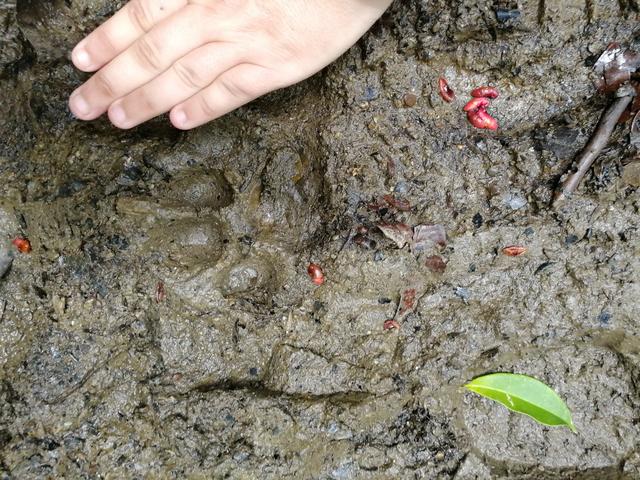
597,142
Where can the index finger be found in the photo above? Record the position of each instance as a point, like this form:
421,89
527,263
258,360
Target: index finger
115,35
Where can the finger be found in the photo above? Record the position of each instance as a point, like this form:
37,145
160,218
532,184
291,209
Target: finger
131,22
182,80
147,58
230,90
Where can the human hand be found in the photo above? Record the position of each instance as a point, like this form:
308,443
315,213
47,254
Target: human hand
201,59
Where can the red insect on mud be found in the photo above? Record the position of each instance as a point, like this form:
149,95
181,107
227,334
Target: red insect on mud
315,272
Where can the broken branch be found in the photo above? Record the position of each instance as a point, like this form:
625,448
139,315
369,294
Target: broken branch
597,142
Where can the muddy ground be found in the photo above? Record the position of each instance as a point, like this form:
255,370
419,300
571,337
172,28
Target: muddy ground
240,367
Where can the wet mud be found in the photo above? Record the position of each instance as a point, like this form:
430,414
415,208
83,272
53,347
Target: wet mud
164,325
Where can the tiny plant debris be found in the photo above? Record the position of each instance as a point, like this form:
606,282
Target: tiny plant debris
161,294
514,250
398,204
435,263
315,272
22,244
524,394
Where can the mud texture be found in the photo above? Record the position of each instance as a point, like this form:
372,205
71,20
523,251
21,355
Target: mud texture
164,325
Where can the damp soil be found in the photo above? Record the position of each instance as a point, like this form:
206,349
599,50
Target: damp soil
164,325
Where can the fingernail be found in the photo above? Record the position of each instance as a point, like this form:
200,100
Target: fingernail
79,104
117,115
179,118
81,58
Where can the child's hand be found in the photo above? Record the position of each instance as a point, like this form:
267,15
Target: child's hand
204,58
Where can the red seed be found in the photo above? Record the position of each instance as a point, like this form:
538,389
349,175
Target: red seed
446,92
22,244
514,250
488,92
476,104
389,324
315,272
481,119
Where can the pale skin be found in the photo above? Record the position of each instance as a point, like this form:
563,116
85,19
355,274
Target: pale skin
201,59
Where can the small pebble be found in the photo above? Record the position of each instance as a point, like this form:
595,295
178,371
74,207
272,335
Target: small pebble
409,99
604,318
515,202
370,93
570,239
401,188
462,293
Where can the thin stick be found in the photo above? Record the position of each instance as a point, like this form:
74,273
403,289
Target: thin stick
597,142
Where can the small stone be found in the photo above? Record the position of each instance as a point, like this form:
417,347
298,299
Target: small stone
515,202
409,99
370,93
401,188
463,293
571,239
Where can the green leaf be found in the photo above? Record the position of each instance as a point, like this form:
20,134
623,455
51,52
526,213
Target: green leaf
524,394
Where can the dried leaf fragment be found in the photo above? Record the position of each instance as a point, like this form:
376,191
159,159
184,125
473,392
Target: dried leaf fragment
425,236
614,67
400,233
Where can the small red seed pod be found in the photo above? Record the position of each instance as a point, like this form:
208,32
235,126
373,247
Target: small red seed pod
315,272
389,324
476,104
446,92
481,119
22,244
514,250
488,92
